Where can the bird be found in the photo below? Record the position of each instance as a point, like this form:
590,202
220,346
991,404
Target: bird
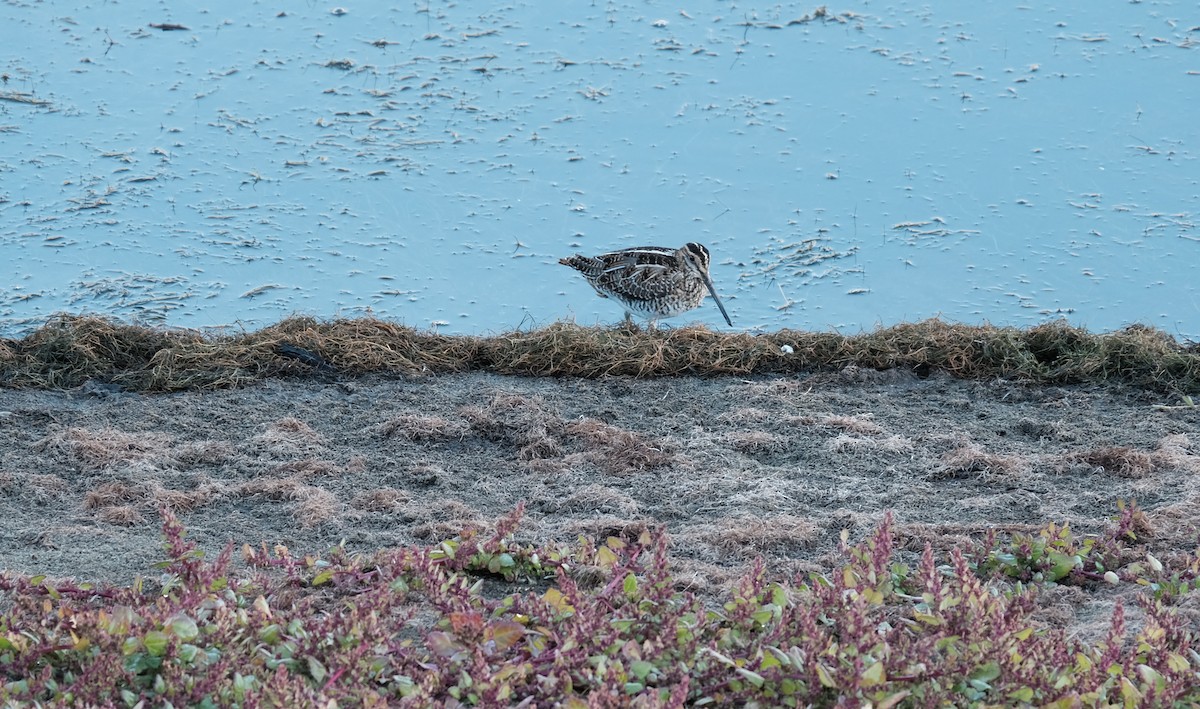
651,281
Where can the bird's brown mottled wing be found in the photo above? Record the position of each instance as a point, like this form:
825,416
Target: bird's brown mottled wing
641,273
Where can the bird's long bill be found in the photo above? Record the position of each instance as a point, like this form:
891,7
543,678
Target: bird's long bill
713,292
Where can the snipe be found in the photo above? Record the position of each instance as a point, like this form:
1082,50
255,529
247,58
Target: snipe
651,281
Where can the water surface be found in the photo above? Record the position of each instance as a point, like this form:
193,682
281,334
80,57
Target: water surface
429,163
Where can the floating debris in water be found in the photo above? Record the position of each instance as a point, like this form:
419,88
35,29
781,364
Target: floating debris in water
260,290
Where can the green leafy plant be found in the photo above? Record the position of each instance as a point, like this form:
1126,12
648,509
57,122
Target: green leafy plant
602,624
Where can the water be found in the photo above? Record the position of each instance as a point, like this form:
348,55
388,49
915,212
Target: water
429,164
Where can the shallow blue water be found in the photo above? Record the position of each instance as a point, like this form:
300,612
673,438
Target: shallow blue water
429,164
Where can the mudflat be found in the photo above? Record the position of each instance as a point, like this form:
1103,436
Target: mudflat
731,468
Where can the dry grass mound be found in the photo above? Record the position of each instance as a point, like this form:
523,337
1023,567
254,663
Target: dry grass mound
70,350
546,441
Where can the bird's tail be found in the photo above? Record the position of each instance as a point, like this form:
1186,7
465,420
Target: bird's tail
583,264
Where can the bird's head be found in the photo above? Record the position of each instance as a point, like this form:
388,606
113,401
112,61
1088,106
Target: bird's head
695,259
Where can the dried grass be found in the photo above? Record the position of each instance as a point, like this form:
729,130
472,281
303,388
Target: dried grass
539,445
190,454
117,494
278,489
292,427
122,515
754,442
1121,461
546,442
710,581
860,424
290,436
69,350
386,499
1174,453
185,500
618,451
413,427
762,494
974,461
314,505
307,468
746,537
445,518
512,418
425,474
46,485
845,443
106,447
317,506
745,414
110,494
591,499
